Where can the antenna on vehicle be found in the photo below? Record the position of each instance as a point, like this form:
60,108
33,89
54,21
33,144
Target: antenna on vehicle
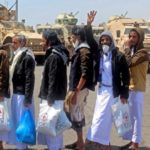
125,14
76,13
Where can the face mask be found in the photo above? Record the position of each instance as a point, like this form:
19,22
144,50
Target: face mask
75,44
105,48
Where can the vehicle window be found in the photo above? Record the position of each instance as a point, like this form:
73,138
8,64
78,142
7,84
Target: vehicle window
118,33
127,30
146,30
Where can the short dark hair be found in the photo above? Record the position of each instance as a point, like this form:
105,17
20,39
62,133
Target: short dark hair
79,31
51,37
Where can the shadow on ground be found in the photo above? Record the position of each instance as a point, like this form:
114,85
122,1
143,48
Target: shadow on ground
144,148
141,148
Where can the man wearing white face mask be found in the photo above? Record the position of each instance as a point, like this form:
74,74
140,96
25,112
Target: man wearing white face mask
113,80
80,82
105,49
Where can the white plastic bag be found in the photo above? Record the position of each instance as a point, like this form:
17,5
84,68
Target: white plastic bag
47,119
62,123
121,117
5,123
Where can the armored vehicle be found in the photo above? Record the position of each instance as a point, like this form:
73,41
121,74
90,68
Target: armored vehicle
63,27
10,27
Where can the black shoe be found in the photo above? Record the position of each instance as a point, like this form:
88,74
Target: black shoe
125,147
71,146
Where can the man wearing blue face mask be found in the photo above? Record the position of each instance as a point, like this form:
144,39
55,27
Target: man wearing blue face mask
113,82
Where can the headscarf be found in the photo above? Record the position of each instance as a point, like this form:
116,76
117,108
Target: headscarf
141,35
107,33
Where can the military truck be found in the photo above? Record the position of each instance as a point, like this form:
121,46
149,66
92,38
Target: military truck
63,27
61,30
10,27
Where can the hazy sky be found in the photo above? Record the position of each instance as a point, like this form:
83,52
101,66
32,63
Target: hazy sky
45,11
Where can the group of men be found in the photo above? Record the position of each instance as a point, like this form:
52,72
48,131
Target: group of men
117,75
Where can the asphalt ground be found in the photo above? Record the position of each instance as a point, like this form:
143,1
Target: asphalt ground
70,136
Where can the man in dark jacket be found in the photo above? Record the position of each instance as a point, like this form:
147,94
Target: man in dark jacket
80,82
113,82
54,82
4,86
54,78
22,77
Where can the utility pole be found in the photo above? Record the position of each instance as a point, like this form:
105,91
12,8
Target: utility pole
16,10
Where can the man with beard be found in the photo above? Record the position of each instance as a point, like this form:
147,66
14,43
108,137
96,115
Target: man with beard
112,76
22,77
54,82
137,58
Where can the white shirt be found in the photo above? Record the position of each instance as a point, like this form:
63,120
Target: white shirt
106,69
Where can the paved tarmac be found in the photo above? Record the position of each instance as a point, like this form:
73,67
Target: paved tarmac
70,136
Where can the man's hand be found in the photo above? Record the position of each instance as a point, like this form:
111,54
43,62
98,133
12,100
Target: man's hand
74,98
49,103
90,17
123,100
128,43
3,53
27,104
